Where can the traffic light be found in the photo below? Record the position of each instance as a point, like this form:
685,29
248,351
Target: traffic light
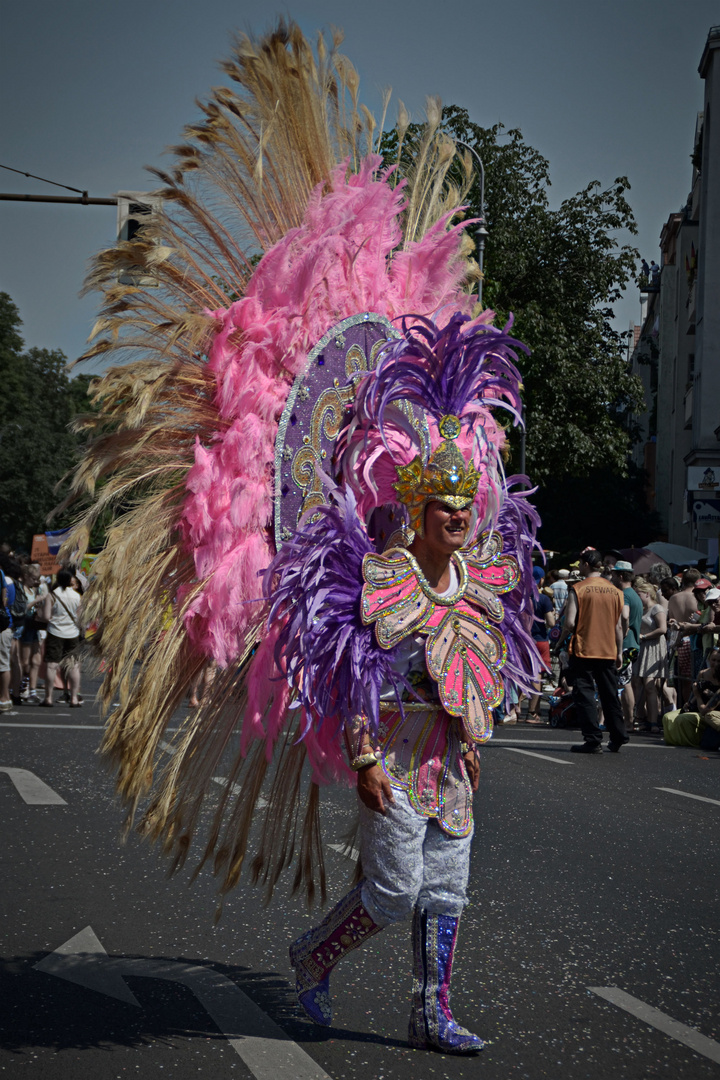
135,210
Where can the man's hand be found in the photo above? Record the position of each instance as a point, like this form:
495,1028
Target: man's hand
472,767
618,661
374,788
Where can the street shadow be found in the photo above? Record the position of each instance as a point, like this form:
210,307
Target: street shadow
41,1010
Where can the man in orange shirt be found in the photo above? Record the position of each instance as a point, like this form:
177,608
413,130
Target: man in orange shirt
594,619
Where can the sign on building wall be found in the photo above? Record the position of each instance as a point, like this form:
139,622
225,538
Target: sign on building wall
703,479
706,514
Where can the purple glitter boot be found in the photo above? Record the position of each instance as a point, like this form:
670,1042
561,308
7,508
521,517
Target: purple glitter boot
316,953
431,1023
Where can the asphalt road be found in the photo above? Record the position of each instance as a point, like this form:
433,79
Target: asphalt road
584,874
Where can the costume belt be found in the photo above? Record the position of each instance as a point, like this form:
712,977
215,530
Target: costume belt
420,755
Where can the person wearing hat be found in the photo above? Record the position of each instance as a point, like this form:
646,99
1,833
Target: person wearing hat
701,628
694,627
593,620
710,635
610,557
623,577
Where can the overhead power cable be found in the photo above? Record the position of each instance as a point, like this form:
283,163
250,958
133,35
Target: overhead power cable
32,176
84,197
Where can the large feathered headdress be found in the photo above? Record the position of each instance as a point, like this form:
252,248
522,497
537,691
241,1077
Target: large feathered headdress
279,222
451,376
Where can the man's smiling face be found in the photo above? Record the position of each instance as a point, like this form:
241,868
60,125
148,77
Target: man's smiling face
445,529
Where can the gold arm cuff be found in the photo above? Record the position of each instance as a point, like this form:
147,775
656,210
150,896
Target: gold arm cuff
365,759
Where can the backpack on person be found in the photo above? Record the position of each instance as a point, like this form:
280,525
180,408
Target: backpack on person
18,608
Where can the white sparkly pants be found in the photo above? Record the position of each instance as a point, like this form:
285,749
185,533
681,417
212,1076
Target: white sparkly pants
408,862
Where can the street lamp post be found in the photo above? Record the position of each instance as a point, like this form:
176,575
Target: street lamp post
481,230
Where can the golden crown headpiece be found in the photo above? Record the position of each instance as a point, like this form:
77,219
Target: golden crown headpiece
447,477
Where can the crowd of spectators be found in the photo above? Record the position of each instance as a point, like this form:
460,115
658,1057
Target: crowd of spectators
41,633
668,674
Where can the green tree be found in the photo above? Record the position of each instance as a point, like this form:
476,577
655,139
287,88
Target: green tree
600,509
558,272
37,445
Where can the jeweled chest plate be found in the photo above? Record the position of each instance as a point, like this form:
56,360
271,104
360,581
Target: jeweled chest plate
464,651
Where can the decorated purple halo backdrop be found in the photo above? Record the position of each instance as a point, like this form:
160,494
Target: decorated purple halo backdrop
315,412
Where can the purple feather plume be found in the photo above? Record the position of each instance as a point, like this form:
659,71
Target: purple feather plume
314,585
517,523
444,370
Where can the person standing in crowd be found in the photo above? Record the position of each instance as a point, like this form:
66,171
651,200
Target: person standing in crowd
610,557
558,582
701,636
62,610
543,622
29,640
652,661
711,633
623,577
668,588
681,607
658,573
7,596
593,621
560,590
694,627
702,627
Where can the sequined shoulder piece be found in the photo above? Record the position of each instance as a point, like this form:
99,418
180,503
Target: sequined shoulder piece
392,597
489,574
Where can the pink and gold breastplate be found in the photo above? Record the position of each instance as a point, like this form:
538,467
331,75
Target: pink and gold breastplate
464,651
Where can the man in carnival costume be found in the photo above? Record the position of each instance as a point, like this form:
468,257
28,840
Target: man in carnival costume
429,645
319,420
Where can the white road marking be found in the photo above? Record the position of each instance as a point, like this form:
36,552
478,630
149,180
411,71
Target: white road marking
660,1020
256,1039
569,742
32,789
342,849
83,960
74,727
543,757
688,795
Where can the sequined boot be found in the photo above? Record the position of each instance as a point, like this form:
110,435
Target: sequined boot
431,1022
316,953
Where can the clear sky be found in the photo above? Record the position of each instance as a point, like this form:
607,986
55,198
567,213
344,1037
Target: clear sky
93,90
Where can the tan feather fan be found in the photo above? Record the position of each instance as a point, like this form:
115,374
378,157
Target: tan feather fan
237,185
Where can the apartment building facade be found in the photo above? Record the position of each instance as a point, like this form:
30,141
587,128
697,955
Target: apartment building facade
677,353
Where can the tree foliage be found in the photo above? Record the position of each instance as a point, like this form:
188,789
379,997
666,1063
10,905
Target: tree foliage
38,402
602,510
558,272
